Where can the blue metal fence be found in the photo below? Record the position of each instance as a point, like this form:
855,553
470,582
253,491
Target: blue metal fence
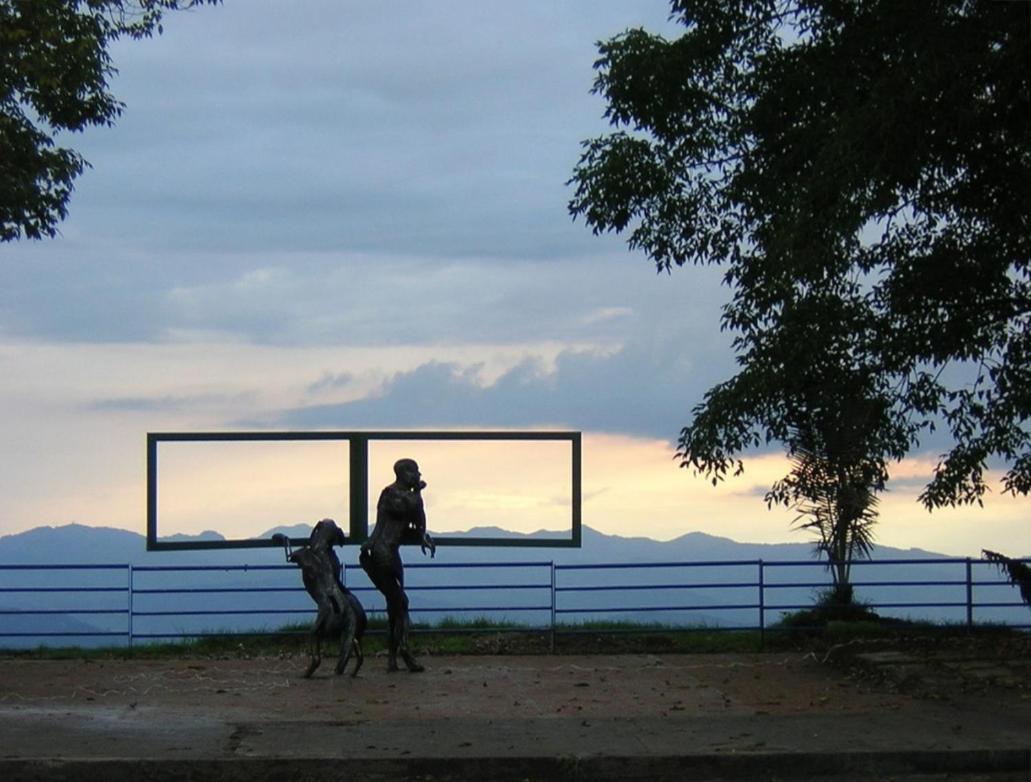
129,604
99,581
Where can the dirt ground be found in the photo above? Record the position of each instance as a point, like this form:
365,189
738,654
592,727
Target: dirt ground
489,686
793,714
953,667
859,677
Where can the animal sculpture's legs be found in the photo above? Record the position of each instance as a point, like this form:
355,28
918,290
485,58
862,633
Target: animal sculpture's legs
359,657
315,655
361,622
315,642
346,640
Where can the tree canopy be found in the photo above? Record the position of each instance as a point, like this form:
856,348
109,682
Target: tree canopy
862,173
54,71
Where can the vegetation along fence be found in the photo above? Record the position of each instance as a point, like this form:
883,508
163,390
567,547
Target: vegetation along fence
125,604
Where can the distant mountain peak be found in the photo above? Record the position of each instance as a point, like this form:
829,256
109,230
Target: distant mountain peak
207,534
498,532
290,530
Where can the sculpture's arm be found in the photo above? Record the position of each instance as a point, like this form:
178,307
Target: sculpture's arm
427,543
284,541
419,522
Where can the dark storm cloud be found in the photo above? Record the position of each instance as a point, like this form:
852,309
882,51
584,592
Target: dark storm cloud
639,390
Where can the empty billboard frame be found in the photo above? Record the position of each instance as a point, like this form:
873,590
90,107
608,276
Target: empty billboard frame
358,477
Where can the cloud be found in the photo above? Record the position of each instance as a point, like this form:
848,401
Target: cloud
331,381
383,164
170,403
355,300
410,130
641,389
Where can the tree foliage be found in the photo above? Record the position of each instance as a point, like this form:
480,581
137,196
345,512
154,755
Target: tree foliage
862,173
54,71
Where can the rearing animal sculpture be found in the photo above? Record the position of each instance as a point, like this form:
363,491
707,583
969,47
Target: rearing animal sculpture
340,613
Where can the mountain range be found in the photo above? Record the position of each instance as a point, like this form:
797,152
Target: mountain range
81,544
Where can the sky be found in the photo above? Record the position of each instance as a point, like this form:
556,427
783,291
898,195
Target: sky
346,215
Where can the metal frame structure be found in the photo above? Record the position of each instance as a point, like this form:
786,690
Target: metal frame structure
358,442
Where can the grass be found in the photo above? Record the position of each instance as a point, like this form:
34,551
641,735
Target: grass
831,623
656,637
450,636
810,629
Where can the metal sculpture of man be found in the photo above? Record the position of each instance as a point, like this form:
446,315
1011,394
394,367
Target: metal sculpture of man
400,519
340,614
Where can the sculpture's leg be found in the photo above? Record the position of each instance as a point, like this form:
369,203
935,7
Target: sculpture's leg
391,640
315,655
315,643
361,622
402,641
359,657
388,579
397,608
382,579
346,640
387,584
394,576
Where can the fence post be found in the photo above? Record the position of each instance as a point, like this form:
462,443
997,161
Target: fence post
970,593
358,514
762,607
129,590
552,642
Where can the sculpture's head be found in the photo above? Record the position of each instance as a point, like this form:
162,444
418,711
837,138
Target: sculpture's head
407,472
326,532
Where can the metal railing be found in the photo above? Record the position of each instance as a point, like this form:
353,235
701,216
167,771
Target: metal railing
128,604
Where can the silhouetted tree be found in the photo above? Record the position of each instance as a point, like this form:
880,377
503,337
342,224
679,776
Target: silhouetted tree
862,172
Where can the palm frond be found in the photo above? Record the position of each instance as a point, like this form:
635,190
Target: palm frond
836,500
1019,574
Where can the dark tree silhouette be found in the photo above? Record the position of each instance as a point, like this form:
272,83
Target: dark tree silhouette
862,172
54,71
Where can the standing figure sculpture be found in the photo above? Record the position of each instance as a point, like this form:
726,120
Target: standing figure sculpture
340,613
400,518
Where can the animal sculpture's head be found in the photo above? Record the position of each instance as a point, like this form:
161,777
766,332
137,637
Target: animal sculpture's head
326,533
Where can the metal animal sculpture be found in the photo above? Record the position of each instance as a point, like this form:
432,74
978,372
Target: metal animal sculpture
340,613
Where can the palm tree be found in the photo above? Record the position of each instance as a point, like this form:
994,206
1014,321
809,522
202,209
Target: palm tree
833,485
839,505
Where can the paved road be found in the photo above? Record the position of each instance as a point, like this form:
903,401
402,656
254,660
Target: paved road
770,716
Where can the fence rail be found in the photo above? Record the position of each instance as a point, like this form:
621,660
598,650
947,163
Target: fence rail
40,604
